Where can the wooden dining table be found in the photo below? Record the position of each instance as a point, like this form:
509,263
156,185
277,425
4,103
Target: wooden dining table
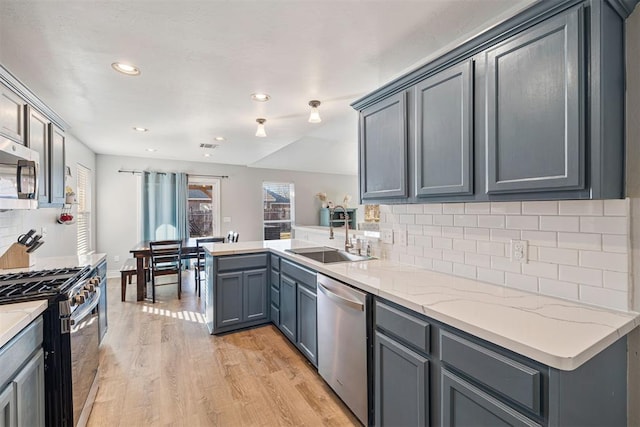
141,252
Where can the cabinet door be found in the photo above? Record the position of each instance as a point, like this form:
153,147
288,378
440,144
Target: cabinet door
535,109
255,295
288,307
228,299
38,137
464,404
401,385
29,389
12,115
383,149
444,139
8,407
307,323
57,165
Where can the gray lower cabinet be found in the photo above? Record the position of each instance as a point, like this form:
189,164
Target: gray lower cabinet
401,384
444,133
307,323
383,149
535,108
466,405
288,324
237,294
22,378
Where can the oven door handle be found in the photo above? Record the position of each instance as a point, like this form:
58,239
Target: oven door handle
76,317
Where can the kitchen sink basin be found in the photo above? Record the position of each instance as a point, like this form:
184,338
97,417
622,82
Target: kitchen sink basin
328,255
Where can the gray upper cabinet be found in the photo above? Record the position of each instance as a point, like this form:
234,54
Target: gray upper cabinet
535,108
444,132
57,165
12,115
383,149
38,140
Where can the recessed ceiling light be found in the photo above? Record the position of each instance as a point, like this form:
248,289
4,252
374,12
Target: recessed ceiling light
129,70
260,97
207,155
151,150
220,138
139,129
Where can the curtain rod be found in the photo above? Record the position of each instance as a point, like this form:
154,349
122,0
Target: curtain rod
132,171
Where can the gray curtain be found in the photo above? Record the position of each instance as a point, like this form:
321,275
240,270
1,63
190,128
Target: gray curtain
164,206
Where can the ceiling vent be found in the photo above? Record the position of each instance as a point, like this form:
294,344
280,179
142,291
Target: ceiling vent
209,146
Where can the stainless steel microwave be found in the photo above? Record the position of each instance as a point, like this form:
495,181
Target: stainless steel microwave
19,168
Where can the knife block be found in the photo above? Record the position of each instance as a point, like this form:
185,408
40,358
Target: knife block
16,257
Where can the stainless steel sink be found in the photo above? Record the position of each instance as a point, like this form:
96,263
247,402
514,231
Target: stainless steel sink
328,255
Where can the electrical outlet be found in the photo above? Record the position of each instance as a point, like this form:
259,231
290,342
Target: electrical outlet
116,258
519,251
400,237
387,236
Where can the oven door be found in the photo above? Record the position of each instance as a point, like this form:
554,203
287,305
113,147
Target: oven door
84,338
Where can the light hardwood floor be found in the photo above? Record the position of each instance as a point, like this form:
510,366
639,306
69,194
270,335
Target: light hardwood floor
160,366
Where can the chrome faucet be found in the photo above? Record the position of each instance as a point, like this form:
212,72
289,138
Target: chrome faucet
347,245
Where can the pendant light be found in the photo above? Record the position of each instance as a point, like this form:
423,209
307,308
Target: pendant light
260,132
314,117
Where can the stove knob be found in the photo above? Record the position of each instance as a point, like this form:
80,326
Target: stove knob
94,280
79,299
90,287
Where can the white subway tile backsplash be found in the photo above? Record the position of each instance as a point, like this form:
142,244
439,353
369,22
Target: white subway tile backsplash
443,220
560,223
407,219
491,248
399,209
581,207
424,241
519,281
406,259
604,297
491,221
415,230
581,275
605,225
432,208
443,266
424,262
604,261
442,243
425,219
432,230
414,209
505,264
559,288
432,253
617,207
507,208
453,232
580,241
615,243
540,269
476,233
616,280
491,276
465,220
498,235
464,245
453,208
480,260
464,270
558,256
541,238
415,250
522,222
454,256
477,208
540,208
533,253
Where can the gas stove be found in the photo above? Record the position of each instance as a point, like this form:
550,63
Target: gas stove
40,284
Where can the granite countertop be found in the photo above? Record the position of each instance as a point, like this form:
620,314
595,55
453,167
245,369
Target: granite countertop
48,263
560,333
15,317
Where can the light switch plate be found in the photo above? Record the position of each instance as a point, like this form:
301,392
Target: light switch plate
400,237
226,219
387,236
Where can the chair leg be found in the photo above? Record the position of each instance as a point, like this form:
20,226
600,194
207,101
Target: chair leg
179,283
153,288
123,284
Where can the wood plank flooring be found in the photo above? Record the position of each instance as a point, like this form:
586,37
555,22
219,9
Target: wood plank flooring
160,366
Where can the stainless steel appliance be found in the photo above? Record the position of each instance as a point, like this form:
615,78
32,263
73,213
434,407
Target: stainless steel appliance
19,167
71,334
342,342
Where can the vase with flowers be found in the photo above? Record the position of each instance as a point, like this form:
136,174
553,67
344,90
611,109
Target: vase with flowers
323,199
69,195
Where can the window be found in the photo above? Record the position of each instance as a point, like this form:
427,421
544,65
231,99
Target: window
84,210
278,209
203,207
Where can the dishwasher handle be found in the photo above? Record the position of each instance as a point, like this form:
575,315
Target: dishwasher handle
356,305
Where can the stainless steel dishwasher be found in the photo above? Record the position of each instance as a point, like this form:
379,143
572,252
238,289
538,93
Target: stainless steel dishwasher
342,342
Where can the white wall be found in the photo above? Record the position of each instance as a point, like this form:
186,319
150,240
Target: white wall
60,239
241,197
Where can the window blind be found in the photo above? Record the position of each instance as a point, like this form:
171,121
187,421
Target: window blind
83,218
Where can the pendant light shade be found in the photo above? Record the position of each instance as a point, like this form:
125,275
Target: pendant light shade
260,132
314,117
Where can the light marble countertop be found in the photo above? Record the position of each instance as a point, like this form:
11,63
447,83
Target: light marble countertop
48,263
15,317
560,333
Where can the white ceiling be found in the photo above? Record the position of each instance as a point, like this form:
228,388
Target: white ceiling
201,60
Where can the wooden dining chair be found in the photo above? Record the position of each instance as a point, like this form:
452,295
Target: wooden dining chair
200,257
165,260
